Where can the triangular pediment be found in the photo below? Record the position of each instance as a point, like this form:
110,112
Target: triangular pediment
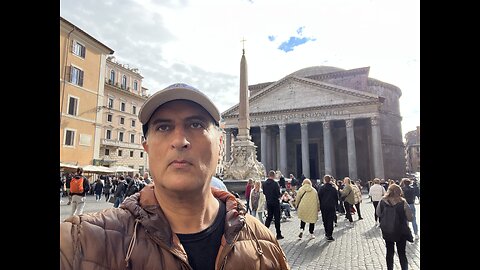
296,93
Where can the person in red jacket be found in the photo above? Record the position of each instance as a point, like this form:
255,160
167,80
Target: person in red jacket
179,221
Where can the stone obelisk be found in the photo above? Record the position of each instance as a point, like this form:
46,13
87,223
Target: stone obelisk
244,163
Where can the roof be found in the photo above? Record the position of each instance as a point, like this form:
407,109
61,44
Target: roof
315,70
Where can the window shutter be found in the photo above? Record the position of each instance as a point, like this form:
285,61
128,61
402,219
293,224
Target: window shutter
72,45
80,79
83,51
67,74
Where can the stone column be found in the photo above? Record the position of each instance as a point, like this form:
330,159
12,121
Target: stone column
327,147
283,148
269,151
263,145
377,149
305,154
274,151
228,144
352,153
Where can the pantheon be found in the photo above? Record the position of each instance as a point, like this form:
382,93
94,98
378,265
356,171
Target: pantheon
325,120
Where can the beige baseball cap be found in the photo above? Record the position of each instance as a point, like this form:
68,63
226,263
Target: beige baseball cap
174,92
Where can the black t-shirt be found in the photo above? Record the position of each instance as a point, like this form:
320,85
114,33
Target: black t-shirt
202,247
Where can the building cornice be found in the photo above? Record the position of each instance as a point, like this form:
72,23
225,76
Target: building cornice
315,83
323,107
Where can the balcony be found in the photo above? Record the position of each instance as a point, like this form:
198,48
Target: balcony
117,143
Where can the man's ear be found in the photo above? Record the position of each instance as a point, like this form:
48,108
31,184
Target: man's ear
145,145
221,145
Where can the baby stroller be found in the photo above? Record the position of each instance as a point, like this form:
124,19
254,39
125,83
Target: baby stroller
283,213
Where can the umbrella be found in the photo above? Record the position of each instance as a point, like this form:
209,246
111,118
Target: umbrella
97,169
68,166
123,169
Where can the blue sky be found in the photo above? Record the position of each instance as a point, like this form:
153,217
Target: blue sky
200,42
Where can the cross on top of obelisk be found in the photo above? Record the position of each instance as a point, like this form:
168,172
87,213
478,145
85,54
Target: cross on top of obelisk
243,45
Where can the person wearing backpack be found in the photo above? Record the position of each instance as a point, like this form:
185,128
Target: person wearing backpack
394,214
79,187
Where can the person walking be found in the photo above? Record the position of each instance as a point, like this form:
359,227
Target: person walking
179,221
120,191
394,215
107,188
376,193
308,206
79,187
348,196
271,189
409,194
358,198
257,200
328,198
98,189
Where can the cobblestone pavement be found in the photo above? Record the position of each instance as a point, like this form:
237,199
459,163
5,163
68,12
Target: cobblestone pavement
359,247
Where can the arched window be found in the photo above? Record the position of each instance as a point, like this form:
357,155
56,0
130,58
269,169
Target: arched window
124,82
112,76
135,85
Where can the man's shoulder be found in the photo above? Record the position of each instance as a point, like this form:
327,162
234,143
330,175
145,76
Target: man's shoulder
113,218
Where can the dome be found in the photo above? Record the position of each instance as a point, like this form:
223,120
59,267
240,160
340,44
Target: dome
315,70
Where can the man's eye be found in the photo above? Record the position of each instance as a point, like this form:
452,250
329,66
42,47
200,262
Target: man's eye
163,127
196,125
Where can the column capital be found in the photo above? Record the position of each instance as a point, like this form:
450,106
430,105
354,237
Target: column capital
263,127
304,124
282,126
349,123
374,121
326,124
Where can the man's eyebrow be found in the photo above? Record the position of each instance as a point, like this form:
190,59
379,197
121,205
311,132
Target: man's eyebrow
190,118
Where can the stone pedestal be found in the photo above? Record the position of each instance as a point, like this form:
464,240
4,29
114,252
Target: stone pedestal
244,163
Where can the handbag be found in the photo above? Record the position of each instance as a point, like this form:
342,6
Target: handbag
407,232
111,199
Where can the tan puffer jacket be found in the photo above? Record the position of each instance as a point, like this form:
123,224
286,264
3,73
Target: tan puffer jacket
138,236
307,203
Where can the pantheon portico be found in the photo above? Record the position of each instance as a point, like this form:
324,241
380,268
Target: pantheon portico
325,120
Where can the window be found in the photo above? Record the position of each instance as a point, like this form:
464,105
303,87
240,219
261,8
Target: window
76,76
141,154
120,136
72,106
122,120
119,153
122,106
124,82
135,85
108,134
112,76
132,138
109,117
78,49
131,153
134,109
133,123
107,152
69,137
110,103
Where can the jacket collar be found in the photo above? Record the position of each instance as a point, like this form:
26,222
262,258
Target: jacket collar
144,207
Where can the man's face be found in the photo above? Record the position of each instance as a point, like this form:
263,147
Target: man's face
183,146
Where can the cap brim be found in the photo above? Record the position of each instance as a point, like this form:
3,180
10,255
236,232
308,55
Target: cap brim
175,92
